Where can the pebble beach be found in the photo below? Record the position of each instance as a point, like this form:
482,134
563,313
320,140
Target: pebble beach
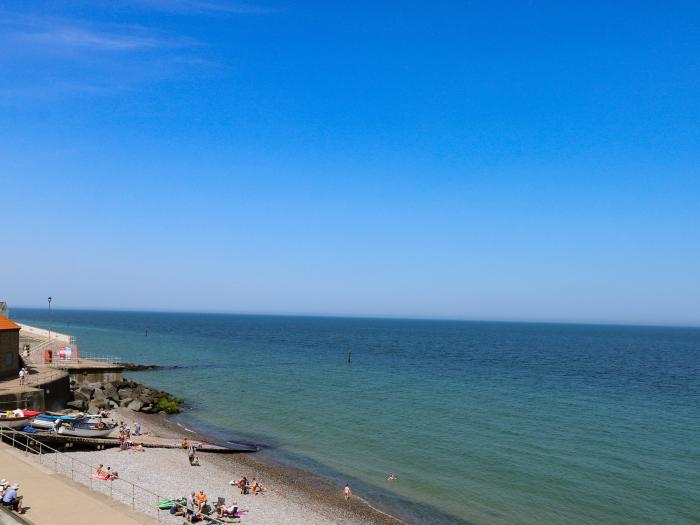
292,496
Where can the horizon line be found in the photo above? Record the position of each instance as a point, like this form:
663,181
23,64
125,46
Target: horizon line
365,316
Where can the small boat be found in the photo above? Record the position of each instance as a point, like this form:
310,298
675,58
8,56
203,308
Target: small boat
46,421
16,418
82,429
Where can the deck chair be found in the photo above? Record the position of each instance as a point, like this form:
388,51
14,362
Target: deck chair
220,501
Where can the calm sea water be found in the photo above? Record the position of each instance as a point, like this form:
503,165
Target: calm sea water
484,423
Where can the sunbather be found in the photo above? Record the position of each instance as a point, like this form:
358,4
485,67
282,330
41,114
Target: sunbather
227,512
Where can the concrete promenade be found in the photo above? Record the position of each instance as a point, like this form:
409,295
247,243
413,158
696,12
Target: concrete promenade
52,499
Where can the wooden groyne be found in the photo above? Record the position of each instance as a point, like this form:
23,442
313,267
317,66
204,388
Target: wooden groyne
57,440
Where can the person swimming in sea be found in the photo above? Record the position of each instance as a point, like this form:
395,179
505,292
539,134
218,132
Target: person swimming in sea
391,477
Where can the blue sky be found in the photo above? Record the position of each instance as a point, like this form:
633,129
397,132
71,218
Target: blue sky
481,160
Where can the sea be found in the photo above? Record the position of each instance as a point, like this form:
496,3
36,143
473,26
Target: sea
481,422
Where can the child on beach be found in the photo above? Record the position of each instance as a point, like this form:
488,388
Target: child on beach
347,492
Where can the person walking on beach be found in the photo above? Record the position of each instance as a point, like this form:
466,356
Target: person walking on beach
21,376
347,492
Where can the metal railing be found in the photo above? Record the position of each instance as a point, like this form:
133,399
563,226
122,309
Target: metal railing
137,497
112,360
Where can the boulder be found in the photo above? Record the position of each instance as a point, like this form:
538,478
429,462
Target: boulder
112,404
146,400
78,404
100,403
86,390
98,394
135,405
80,395
125,393
148,409
125,402
110,392
92,409
94,386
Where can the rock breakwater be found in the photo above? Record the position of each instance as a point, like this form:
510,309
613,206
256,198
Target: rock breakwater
94,397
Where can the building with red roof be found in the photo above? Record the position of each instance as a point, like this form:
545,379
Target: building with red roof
9,348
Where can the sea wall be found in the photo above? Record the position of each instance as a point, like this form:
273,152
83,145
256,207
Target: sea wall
86,375
31,400
56,393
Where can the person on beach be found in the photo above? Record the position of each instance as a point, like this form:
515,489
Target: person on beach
98,471
201,500
185,444
12,500
21,376
347,492
243,485
177,509
227,512
137,428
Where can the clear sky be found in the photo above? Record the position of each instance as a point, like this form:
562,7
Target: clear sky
482,160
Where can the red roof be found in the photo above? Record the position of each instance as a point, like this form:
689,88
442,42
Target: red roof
6,324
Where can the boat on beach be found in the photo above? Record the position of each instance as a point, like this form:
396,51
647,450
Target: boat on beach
16,418
46,421
83,429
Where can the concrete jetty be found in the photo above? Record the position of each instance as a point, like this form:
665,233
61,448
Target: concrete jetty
53,361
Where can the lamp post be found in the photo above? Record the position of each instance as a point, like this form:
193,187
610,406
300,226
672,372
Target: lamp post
49,318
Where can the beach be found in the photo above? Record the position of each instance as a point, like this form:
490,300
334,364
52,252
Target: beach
292,495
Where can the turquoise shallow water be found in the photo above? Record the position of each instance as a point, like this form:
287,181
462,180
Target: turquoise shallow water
482,422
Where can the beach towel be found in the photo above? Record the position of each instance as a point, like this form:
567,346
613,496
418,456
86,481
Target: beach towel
166,504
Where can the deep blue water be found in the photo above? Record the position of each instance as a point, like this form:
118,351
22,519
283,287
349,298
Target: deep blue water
482,422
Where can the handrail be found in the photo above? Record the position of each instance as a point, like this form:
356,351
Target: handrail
100,359
42,448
